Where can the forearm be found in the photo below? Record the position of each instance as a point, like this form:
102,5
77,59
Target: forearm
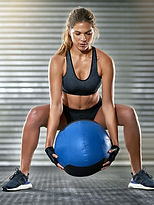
111,123
53,123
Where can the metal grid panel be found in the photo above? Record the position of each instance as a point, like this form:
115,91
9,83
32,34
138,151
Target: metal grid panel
31,33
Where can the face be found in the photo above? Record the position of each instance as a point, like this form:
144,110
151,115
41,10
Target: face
82,35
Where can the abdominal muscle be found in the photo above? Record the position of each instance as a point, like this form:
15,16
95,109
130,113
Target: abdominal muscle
80,102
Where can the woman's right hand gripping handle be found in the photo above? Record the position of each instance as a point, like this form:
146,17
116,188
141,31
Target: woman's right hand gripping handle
53,157
56,106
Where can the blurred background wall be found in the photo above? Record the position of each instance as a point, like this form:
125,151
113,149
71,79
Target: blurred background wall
30,33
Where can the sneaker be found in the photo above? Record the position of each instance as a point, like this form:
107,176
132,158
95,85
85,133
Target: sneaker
18,181
142,180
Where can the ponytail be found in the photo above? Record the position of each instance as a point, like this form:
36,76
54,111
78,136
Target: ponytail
66,45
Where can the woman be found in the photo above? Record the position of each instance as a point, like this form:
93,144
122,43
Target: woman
76,72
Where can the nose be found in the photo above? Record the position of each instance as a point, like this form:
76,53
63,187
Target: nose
83,38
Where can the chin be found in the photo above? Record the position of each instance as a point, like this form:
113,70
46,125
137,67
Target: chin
83,48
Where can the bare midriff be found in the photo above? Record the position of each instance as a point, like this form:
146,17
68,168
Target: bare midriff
80,102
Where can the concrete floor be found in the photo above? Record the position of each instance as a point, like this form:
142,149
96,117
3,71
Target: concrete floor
53,186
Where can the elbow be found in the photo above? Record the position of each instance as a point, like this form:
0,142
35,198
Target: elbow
108,106
108,109
56,109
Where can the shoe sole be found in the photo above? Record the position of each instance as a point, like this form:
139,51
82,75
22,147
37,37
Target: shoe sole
139,186
21,187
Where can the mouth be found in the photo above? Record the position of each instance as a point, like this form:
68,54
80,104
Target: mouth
83,44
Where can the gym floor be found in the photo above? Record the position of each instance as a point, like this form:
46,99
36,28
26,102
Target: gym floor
53,186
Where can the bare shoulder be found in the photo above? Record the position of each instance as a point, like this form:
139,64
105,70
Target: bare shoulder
57,63
57,59
105,62
103,57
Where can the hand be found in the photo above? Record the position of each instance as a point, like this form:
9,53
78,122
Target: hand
113,153
53,157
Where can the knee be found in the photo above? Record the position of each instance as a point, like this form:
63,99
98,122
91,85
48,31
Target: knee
33,118
130,114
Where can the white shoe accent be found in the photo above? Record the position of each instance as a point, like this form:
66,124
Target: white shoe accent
139,186
21,187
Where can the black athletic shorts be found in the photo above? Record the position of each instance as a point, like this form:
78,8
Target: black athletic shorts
86,114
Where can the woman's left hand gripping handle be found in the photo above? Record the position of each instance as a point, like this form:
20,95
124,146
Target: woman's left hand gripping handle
113,153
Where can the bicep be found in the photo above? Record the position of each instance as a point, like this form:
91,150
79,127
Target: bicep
55,81
108,82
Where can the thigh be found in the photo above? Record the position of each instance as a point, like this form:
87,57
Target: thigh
42,114
124,114
122,111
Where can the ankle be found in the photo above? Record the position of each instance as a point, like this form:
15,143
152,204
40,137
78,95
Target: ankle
25,172
134,172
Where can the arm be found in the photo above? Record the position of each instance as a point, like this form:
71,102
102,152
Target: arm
108,74
56,105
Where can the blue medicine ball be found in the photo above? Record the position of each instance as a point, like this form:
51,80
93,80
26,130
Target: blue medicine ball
82,147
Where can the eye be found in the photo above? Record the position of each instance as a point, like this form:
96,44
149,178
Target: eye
89,33
77,33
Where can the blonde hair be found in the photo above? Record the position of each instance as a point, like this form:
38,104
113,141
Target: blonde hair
77,15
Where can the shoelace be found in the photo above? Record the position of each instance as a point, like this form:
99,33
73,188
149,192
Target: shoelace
16,172
145,172
150,176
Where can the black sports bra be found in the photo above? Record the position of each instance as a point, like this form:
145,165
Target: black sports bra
71,84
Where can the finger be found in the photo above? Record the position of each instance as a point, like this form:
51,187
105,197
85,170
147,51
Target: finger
104,167
106,163
54,155
59,165
111,150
